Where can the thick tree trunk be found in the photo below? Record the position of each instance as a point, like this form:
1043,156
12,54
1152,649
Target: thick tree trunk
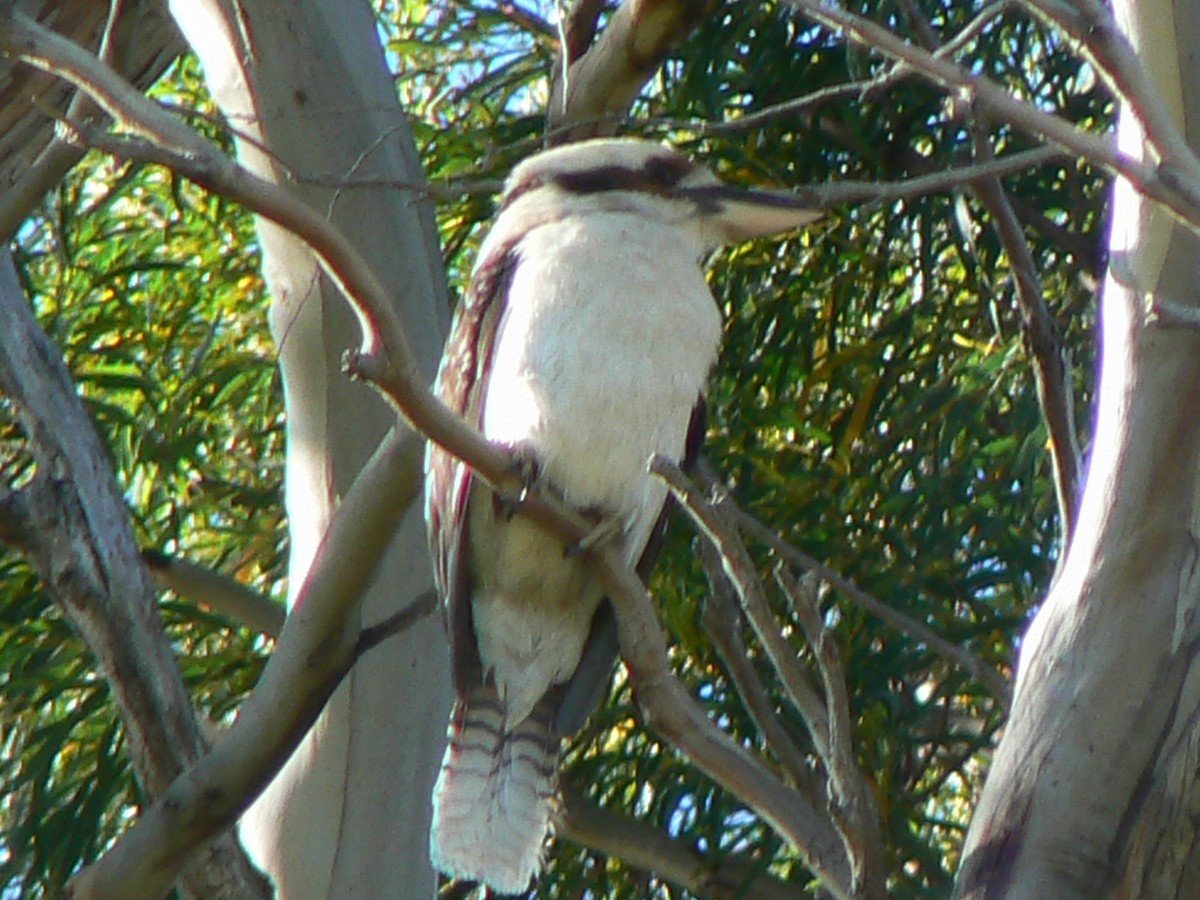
1091,789
348,816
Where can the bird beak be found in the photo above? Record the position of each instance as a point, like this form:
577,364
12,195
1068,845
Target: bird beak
743,213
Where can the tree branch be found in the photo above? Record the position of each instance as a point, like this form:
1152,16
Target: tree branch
828,724
996,683
651,849
1173,182
1049,357
592,82
316,649
721,617
1043,340
218,592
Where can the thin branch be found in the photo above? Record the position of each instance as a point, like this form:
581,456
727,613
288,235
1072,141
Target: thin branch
1172,182
859,90
854,805
722,534
827,195
230,597
217,591
1093,33
1042,337
651,849
958,656
374,635
720,616
1049,357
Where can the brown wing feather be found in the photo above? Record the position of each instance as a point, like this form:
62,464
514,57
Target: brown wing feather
461,384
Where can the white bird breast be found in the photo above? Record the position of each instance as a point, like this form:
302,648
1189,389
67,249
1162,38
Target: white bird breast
608,338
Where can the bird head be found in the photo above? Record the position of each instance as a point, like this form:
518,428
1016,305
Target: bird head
629,175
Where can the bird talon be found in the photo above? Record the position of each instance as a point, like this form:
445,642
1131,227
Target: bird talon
526,466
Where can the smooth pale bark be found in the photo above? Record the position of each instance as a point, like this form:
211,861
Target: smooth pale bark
1093,789
348,816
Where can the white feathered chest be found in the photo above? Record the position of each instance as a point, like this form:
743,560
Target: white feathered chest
605,345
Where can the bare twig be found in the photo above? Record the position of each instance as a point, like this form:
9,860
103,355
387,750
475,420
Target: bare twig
996,684
1043,340
218,592
957,177
374,635
649,848
1049,357
230,597
722,533
856,807
1174,182
829,726
859,90
722,622
1093,33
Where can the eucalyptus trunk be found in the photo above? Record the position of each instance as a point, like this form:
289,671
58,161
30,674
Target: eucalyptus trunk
306,86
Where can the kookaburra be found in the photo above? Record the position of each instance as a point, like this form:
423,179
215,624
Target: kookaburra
584,342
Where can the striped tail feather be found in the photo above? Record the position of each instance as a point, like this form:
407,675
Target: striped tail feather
494,796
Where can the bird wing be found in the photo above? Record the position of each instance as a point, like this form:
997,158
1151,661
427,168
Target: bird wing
461,385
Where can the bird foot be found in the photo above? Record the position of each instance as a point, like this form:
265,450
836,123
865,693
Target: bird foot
525,464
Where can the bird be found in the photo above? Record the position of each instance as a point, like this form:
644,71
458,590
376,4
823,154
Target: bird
583,343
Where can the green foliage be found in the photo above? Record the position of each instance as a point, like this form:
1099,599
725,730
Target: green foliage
874,405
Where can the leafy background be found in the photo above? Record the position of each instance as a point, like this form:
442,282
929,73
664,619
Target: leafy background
874,406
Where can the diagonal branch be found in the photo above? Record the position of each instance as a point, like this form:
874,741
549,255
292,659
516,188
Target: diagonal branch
316,649
216,591
1049,357
996,683
651,849
593,80
828,715
1173,182
720,616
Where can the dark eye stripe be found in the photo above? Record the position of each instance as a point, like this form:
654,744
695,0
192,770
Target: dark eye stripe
658,175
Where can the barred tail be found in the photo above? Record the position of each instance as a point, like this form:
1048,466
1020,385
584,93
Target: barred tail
494,796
